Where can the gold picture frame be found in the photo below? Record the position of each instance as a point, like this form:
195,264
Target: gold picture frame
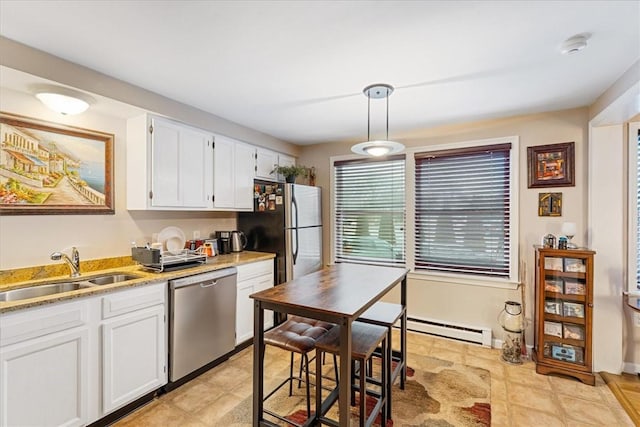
550,204
48,168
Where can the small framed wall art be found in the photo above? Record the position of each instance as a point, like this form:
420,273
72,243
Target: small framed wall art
550,204
551,165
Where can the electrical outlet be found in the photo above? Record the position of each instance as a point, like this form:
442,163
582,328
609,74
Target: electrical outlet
636,318
196,234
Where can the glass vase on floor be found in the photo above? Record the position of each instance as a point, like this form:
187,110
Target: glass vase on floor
512,347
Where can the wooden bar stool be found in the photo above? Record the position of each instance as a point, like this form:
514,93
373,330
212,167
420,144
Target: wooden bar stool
365,340
387,314
296,335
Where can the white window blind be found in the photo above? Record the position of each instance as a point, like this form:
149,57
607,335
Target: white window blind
462,211
369,204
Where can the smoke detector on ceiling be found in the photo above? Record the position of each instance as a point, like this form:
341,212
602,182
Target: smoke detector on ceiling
574,44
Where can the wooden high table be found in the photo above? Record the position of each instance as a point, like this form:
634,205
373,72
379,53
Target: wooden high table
338,294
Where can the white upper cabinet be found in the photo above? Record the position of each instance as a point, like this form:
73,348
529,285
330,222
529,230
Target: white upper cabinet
233,174
169,165
267,160
181,165
223,179
245,172
173,166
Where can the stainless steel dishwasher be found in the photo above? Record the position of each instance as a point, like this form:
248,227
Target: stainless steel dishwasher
202,323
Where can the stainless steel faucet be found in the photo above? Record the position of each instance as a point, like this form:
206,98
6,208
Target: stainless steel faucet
73,262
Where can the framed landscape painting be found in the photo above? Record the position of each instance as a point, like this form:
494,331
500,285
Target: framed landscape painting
551,165
47,168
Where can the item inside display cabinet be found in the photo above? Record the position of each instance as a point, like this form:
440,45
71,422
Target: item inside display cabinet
574,332
574,287
572,309
567,353
553,329
553,307
574,265
552,263
553,286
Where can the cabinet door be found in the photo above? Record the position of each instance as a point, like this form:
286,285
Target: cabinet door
252,277
244,312
266,160
223,173
262,283
244,307
196,168
45,380
181,166
134,349
244,174
165,167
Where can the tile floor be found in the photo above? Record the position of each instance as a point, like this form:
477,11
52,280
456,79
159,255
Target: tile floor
519,396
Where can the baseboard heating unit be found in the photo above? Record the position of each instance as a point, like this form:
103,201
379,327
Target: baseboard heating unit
455,331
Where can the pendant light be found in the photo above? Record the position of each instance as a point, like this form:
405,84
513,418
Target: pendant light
377,148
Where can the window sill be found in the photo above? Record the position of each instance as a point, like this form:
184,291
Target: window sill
456,279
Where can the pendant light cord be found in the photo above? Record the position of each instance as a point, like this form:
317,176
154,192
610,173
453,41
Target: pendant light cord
368,117
388,114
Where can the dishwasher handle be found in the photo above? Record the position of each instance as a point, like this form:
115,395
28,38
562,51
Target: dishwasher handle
207,279
209,284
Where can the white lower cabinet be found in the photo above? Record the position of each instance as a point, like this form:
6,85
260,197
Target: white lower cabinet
253,277
45,366
69,364
133,345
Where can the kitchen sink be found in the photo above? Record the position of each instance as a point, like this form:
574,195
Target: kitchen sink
56,288
41,290
107,279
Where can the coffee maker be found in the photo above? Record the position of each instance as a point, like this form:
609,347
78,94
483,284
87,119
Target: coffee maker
224,242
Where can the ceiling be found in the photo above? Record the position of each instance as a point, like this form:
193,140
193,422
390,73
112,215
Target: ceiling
296,69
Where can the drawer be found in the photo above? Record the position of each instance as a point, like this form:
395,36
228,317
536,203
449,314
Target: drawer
36,322
133,299
254,269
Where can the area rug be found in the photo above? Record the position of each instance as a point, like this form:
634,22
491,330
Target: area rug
437,393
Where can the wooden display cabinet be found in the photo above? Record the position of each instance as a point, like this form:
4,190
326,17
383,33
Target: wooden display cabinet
564,312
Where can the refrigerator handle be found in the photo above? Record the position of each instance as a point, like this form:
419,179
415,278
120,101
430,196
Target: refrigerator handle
294,208
295,252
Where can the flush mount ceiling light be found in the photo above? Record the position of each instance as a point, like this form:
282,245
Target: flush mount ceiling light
63,100
377,147
574,44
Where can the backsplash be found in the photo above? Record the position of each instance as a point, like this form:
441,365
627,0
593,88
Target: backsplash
52,270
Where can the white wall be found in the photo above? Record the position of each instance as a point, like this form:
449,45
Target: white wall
607,200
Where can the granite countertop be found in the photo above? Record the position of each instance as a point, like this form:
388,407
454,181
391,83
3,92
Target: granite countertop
97,269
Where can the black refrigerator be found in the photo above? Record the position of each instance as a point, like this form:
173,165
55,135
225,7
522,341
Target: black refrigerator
286,220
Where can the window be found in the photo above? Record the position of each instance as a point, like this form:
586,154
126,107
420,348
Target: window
369,211
634,206
462,211
638,209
